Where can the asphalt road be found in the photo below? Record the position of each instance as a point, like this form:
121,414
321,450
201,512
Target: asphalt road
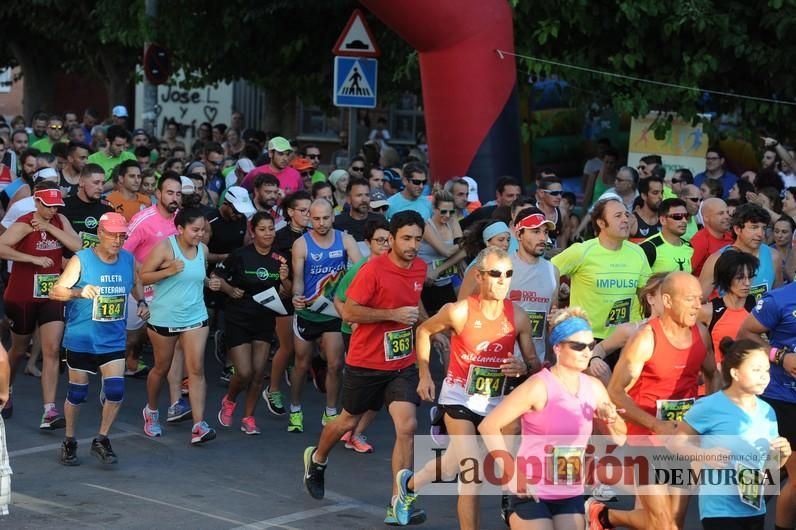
234,481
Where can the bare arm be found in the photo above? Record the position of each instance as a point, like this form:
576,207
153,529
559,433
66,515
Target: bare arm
66,235
706,276
9,240
468,286
160,264
777,259
522,325
63,290
709,371
299,257
430,237
451,317
752,329
615,427
351,248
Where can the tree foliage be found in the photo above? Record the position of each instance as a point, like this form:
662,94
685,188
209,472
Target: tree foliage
729,46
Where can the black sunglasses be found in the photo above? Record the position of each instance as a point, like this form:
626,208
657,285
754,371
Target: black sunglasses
554,193
357,168
679,216
447,212
381,208
694,199
580,346
418,182
497,274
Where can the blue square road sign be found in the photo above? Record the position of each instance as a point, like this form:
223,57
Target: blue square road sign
355,82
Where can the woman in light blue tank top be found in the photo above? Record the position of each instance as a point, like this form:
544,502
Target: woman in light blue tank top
176,268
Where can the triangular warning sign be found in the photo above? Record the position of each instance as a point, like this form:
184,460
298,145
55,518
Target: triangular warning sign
356,40
355,84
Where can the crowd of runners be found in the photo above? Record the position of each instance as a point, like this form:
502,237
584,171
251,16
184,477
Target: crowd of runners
653,303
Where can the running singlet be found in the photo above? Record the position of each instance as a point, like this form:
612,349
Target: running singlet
644,230
763,280
532,288
662,256
179,299
558,435
84,218
725,322
434,259
668,383
381,284
777,312
99,326
604,282
29,283
247,269
474,377
323,269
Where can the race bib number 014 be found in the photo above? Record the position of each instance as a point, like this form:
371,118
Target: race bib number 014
398,344
42,283
484,381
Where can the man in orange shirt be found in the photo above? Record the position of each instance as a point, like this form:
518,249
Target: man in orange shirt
125,199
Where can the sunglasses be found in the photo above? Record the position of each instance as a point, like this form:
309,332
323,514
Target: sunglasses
694,199
315,156
447,212
554,193
494,273
358,169
580,346
306,173
418,182
381,209
679,216
56,127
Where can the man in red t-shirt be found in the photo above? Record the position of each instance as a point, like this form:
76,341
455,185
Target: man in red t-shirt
713,236
383,303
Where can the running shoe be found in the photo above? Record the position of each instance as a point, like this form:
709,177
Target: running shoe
8,408
406,500
103,451
152,423
313,474
248,426
180,411
603,493
220,347
326,418
592,510
69,453
418,517
318,373
184,388
359,443
295,422
226,375
273,400
226,412
52,420
140,370
201,433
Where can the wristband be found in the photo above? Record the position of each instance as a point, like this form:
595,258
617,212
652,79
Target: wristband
772,354
781,357
142,302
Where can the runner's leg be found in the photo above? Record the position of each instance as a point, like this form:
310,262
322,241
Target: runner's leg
193,344
404,418
241,357
786,502
333,346
175,372
163,349
303,351
51,334
332,432
284,332
259,357
19,345
111,408
71,411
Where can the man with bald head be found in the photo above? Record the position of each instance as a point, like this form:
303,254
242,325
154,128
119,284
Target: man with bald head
320,258
713,236
656,381
692,197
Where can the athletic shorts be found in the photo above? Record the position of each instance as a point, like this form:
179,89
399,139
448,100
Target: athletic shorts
24,317
528,510
237,331
173,332
460,412
755,522
786,418
90,362
365,389
308,330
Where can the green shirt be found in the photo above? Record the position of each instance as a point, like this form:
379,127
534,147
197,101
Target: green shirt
318,177
604,282
45,145
109,163
691,229
665,257
342,289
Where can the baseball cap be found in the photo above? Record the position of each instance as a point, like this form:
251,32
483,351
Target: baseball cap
301,164
45,173
119,111
534,220
51,197
140,131
187,186
378,198
472,191
280,144
244,164
238,197
113,222
394,179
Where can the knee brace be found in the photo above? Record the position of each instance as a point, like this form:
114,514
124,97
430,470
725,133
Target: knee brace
114,389
76,394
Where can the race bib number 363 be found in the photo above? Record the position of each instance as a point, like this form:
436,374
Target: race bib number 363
398,344
42,283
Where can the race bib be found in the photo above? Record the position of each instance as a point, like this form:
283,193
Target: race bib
750,490
398,344
619,313
444,274
42,283
88,239
673,409
758,291
483,381
566,464
109,308
537,319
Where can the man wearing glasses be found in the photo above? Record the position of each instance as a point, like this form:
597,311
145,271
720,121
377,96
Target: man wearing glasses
667,251
692,197
411,198
548,199
354,220
280,152
213,157
54,133
313,154
714,169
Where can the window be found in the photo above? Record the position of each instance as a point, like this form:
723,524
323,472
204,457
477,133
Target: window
314,123
406,120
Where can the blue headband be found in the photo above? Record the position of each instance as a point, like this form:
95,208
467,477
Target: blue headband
567,328
495,229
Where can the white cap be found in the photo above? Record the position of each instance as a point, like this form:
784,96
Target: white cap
45,173
187,186
245,165
238,197
472,191
119,111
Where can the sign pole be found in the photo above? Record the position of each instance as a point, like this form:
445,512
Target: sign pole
148,114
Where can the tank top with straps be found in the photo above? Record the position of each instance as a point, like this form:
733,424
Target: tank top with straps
179,299
29,282
763,280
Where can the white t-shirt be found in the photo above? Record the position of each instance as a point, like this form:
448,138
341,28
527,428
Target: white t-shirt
17,210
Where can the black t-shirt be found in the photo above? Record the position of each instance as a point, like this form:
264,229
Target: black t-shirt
227,235
247,269
285,237
356,229
84,217
67,188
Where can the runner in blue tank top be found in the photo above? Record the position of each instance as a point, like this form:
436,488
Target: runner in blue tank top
176,267
320,259
96,284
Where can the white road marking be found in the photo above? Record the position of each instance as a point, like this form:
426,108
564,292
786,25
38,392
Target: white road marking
55,446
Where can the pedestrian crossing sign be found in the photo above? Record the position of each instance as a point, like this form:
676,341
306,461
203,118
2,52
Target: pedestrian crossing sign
355,82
